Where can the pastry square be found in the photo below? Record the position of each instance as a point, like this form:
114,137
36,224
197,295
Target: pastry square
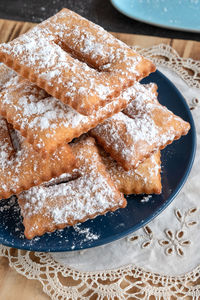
75,61
43,120
143,128
57,205
145,179
21,167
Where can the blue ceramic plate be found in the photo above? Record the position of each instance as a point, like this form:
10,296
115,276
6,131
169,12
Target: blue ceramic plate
173,14
177,161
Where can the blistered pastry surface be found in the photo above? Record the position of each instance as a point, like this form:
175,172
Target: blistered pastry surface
21,167
58,55
144,127
67,203
145,179
44,120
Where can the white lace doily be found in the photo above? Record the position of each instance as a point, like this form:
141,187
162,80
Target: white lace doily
162,259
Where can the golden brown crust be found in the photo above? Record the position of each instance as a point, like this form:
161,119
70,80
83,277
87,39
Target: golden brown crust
143,128
75,61
21,167
44,121
51,207
145,179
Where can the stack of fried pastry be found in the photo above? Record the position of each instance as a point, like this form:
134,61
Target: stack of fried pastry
77,129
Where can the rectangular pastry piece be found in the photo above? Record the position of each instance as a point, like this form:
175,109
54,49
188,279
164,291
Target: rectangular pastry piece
21,167
43,120
145,179
143,128
57,205
75,61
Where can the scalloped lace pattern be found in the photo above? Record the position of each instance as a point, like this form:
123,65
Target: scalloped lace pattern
61,282
166,56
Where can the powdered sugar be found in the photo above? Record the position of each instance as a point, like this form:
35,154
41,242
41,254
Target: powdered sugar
6,148
35,49
142,128
146,198
21,167
89,236
10,162
94,43
76,200
10,202
145,179
44,118
61,51
6,74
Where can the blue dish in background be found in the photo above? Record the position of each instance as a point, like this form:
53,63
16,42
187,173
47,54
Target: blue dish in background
177,160
174,14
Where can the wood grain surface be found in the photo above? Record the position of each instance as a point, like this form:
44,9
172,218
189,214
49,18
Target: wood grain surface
11,29
13,285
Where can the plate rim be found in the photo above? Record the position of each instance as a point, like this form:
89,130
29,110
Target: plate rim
118,236
171,27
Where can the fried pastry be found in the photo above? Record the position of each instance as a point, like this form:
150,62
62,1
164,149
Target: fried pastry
43,120
143,128
55,206
75,61
145,179
21,167
5,75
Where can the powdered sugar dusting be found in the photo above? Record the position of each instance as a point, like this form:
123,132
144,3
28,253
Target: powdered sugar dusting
145,179
21,167
76,200
5,145
142,128
94,43
146,198
10,202
89,236
6,74
61,51
45,118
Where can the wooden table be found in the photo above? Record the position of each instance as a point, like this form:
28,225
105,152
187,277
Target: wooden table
101,12
13,285
186,48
